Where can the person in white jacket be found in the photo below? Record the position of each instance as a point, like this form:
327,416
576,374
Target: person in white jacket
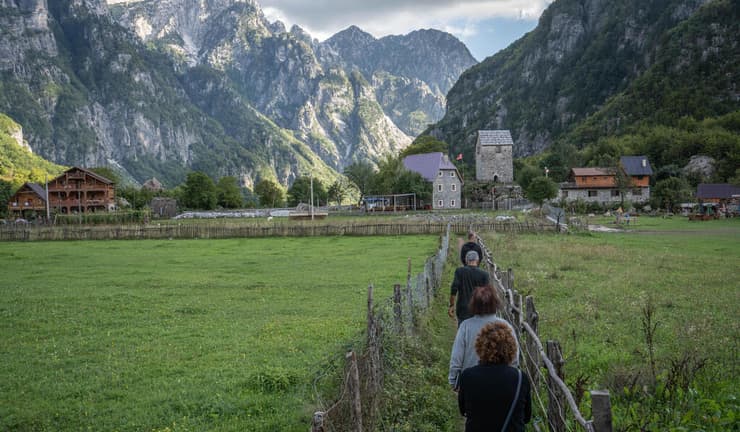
484,304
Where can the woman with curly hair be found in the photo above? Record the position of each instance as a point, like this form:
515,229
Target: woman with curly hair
484,303
494,396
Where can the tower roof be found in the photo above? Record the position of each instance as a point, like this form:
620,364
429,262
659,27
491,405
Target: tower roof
495,137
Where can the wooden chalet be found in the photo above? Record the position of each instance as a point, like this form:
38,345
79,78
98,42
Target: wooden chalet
28,201
77,190
600,184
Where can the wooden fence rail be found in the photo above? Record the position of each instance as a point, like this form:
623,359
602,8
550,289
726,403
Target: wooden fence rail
208,231
536,355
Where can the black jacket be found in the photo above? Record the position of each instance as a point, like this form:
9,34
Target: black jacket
485,396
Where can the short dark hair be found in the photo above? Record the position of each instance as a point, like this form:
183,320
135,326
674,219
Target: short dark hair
496,344
484,301
471,235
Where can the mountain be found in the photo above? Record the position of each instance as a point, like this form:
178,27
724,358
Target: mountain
88,92
18,164
581,54
202,85
352,97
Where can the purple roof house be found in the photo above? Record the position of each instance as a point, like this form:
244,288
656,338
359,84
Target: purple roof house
437,169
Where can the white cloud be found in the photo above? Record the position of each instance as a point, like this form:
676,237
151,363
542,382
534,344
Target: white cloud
322,18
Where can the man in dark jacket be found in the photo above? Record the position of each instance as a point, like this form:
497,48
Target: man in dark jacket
467,279
470,245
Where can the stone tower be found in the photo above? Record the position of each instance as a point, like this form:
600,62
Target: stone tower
493,156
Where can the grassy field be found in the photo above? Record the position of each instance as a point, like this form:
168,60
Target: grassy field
592,289
195,335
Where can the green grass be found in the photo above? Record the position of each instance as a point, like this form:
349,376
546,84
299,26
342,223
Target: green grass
673,223
194,335
591,289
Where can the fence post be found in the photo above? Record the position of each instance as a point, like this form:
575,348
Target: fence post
397,307
516,315
354,391
556,399
532,359
373,346
317,423
510,279
409,296
601,409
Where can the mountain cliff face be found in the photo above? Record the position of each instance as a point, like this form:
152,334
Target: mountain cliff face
350,98
581,53
87,92
198,84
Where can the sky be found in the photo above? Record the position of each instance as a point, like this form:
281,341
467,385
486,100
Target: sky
485,26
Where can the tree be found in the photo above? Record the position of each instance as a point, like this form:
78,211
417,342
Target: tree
270,193
670,192
339,190
6,191
541,189
199,192
300,191
107,173
362,174
425,144
137,198
228,193
623,183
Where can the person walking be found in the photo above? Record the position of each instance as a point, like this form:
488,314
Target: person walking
494,396
483,305
470,245
466,279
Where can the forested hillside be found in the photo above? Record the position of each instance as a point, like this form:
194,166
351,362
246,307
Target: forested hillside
596,80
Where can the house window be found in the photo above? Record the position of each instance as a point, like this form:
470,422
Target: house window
637,192
593,193
439,188
454,187
440,174
565,194
452,203
440,203
452,173
498,149
615,192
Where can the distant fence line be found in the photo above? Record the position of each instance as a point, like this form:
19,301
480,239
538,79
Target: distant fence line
206,231
537,355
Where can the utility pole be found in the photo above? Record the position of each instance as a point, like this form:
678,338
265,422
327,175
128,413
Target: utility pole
311,195
48,211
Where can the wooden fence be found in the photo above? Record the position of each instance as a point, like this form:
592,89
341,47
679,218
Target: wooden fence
523,315
206,231
357,407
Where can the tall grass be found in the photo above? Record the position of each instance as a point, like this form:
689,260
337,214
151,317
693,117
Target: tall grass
195,335
593,292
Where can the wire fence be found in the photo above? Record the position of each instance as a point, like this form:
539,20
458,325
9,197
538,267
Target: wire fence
523,315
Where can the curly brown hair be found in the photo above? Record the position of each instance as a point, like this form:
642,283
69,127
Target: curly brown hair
496,344
484,301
